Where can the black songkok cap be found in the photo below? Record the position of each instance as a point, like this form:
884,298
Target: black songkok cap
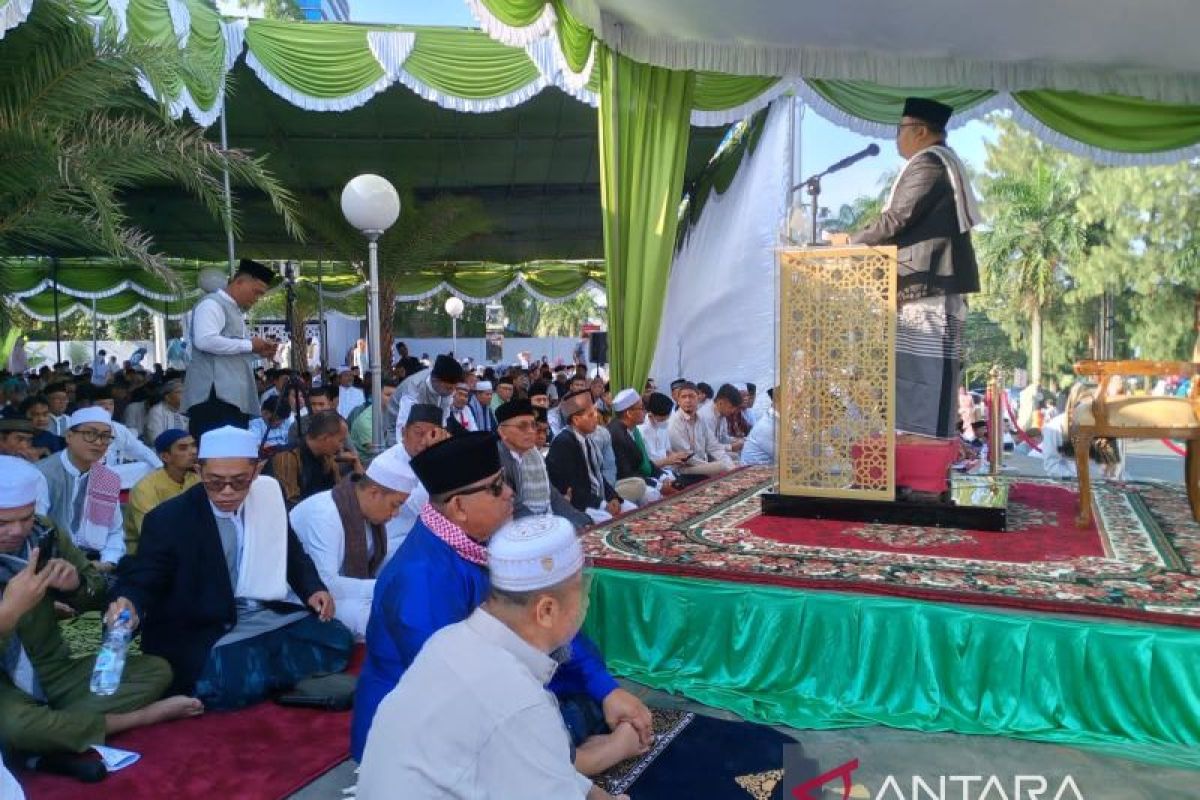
514,408
457,462
256,270
447,369
659,404
214,413
425,412
935,114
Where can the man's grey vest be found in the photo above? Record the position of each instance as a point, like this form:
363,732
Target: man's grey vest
232,375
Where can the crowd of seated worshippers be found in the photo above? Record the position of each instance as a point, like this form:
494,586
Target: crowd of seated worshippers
237,544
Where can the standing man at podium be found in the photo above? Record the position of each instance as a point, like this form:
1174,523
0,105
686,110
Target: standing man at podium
928,215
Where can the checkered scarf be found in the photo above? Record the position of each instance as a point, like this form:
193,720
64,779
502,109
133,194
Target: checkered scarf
454,536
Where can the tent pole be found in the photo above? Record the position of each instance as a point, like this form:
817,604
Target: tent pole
57,326
321,329
228,196
94,351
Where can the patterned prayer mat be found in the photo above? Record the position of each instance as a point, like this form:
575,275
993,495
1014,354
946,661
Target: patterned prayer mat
1138,562
698,756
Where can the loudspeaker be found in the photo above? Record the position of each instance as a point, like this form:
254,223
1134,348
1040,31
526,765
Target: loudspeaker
598,347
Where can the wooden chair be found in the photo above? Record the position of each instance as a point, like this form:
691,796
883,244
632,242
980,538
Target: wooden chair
1135,417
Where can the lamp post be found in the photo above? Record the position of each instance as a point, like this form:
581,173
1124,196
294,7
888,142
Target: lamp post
454,307
370,204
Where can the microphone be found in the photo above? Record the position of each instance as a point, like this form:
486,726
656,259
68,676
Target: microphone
866,152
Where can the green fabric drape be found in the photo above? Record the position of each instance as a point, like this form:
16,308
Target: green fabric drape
516,13
468,64
574,37
644,127
718,175
833,660
717,92
204,54
1109,122
883,104
327,60
483,280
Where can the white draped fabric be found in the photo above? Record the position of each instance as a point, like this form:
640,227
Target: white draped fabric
719,319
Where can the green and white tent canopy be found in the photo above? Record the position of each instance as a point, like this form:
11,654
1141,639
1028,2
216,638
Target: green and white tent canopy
113,290
1126,93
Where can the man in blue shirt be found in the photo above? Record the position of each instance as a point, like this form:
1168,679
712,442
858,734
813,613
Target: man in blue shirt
439,576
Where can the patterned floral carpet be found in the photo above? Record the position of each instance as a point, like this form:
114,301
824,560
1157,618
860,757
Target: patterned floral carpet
1139,562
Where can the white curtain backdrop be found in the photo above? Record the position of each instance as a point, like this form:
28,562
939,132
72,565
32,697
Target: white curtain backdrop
719,319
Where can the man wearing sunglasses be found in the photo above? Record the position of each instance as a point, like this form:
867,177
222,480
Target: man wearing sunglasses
227,594
440,575
84,496
525,468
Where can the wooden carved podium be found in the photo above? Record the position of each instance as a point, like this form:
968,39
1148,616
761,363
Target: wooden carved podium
835,437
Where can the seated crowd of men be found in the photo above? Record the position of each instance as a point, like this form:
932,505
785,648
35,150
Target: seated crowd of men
255,555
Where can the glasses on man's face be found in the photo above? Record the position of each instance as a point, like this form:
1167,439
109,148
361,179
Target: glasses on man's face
495,487
239,483
92,437
526,425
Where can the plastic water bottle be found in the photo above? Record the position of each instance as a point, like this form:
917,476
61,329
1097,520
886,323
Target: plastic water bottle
110,661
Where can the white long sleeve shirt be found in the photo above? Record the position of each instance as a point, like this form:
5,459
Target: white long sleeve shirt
760,444
207,321
126,446
471,719
319,527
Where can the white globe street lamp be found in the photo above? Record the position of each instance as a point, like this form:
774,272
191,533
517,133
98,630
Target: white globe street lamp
454,307
370,203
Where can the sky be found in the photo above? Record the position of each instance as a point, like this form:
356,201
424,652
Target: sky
821,142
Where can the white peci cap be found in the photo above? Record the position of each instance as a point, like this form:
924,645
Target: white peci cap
533,553
228,442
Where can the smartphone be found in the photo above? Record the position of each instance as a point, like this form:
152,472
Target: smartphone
46,550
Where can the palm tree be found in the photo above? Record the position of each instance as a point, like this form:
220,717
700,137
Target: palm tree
424,235
76,131
1035,235
854,215
568,317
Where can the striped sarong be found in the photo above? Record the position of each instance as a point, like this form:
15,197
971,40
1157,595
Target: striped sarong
929,338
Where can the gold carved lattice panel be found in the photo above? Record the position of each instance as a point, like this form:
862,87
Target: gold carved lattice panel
837,330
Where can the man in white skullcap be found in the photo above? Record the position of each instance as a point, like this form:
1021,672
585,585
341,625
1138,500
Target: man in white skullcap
46,706
350,396
345,533
471,717
481,405
84,495
227,594
638,479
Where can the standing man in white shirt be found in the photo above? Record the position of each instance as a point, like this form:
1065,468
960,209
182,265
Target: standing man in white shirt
471,718
222,365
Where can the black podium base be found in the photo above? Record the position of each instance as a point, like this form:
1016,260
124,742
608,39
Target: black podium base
977,503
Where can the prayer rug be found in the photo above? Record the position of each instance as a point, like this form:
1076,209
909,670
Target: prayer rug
1139,561
698,756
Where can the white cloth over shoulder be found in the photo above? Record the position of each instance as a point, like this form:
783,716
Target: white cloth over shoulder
964,199
262,573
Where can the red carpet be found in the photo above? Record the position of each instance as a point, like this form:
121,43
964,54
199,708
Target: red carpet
1036,533
266,752
262,753
1137,562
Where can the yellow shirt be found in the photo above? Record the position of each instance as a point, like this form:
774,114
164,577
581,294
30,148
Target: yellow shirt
151,490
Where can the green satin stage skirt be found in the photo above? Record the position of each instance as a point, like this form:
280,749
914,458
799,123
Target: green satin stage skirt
833,660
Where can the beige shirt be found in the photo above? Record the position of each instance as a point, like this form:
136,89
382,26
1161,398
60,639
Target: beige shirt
471,719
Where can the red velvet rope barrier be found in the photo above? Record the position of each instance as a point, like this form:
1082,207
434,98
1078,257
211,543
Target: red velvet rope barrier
1174,447
1012,417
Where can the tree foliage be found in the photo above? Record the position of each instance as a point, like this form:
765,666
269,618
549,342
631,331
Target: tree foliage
1061,231
76,131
